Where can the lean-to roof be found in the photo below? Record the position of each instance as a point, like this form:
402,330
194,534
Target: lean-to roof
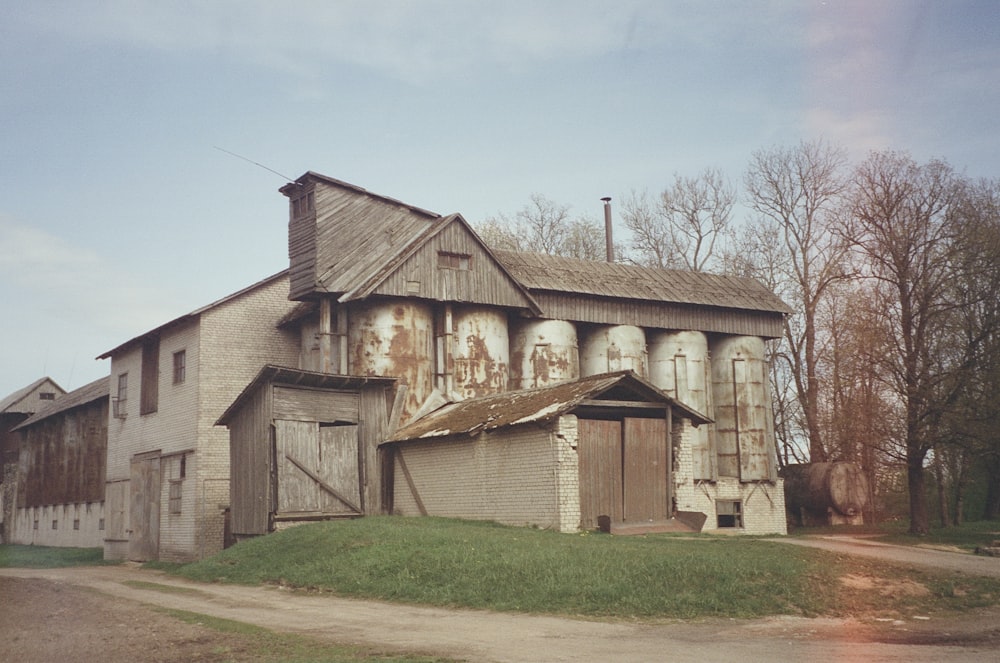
511,408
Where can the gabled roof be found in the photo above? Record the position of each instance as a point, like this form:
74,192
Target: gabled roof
511,408
193,315
96,390
603,279
10,403
299,378
363,238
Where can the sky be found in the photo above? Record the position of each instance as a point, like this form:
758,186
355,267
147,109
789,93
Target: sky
143,143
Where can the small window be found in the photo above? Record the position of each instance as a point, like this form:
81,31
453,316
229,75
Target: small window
35,526
176,491
76,523
55,524
729,513
180,366
459,261
121,400
100,524
47,396
303,205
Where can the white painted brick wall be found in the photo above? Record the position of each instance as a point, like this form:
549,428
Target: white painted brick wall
515,477
225,348
78,525
763,503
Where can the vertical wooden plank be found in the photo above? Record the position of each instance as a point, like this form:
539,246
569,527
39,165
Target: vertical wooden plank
339,467
645,470
300,440
144,511
600,466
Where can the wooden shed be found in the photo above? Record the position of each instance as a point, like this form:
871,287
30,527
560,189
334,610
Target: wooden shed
304,446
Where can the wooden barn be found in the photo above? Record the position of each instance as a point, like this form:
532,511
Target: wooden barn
14,409
304,446
61,463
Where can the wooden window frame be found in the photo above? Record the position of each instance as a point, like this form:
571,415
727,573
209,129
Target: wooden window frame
180,366
149,389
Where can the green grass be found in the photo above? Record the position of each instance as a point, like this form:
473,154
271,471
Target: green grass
252,643
482,565
44,557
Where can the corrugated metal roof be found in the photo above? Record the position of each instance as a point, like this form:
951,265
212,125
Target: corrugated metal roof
100,388
529,405
8,403
553,273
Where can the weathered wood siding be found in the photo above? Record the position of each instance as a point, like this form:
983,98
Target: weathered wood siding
251,463
302,404
659,315
421,275
62,459
302,252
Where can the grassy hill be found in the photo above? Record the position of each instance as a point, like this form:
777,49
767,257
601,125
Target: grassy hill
483,565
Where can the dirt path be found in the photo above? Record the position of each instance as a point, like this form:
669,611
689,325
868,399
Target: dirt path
461,634
948,560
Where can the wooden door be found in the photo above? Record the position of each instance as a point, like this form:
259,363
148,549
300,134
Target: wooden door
645,471
144,509
317,468
599,450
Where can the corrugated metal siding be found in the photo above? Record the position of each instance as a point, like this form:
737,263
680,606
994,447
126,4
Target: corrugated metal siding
659,314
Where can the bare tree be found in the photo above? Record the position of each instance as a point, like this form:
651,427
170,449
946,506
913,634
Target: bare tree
797,193
899,224
544,226
683,228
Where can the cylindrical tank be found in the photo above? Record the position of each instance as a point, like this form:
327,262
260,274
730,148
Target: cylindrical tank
609,348
744,430
394,338
543,352
818,487
481,351
678,364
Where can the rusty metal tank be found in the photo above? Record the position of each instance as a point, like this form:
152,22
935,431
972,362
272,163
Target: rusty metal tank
608,348
394,338
679,365
743,425
481,351
543,352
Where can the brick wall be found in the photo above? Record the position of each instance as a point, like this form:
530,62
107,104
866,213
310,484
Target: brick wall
69,525
517,476
763,503
225,346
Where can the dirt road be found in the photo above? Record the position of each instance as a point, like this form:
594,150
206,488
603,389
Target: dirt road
461,634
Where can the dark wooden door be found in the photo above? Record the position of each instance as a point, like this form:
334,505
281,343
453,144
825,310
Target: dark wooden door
144,509
599,450
645,471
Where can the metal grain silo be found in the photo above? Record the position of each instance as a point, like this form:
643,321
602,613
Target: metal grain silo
394,338
608,348
543,352
679,365
743,426
481,351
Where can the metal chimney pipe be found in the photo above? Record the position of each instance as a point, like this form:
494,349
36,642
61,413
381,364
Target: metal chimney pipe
610,245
